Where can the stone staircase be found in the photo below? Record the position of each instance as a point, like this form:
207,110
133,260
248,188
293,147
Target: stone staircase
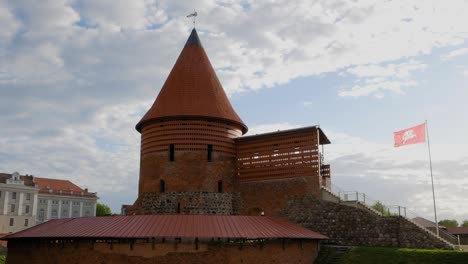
449,243
328,195
331,254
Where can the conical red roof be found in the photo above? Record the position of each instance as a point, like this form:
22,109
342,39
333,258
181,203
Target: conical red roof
192,90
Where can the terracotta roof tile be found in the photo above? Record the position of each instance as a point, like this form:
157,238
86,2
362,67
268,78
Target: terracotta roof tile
57,185
192,89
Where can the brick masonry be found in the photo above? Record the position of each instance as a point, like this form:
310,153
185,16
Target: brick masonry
143,252
347,225
190,171
270,196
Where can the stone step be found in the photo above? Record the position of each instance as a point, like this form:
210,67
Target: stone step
331,254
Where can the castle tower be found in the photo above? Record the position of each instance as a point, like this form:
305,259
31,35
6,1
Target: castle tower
188,153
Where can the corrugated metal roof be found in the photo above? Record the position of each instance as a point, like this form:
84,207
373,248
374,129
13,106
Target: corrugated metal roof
183,226
463,230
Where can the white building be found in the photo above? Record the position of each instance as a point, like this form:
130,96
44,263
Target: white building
18,202
27,200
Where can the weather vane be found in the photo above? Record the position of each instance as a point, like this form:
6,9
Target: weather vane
194,15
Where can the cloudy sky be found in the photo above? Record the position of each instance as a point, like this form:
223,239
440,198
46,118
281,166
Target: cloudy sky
76,76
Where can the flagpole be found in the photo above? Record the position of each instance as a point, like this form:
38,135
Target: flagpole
432,179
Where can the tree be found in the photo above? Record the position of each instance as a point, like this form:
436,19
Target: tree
102,210
465,223
449,223
381,208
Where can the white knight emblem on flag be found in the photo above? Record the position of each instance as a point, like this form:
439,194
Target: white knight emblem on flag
408,135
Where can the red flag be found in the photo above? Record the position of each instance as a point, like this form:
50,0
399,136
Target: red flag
410,135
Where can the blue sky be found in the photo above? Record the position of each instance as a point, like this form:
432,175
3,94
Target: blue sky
77,75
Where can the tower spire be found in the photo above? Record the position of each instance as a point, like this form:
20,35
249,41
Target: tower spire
192,90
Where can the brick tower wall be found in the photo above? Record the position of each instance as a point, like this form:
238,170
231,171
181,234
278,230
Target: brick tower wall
190,173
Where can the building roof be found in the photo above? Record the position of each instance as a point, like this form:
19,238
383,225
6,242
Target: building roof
425,223
61,187
56,184
463,230
322,137
168,226
192,89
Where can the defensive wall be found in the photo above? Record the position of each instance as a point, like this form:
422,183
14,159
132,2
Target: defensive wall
156,251
347,225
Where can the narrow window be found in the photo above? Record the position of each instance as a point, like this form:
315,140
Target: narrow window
13,195
178,208
12,221
210,149
220,186
26,209
26,222
171,152
28,196
162,186
12,208
41,215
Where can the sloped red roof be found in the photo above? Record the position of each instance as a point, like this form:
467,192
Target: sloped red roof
55,184
192,89
169,226
458,230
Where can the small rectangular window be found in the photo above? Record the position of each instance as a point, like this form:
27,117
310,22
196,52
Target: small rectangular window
210,150
162,186
220,186
13,195
28,196
12,221
12,208
26,209
171,152
26,222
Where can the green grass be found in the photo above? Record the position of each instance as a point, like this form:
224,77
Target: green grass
372,255
2,259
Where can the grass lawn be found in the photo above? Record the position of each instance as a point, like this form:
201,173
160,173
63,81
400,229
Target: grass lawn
2,259
372,255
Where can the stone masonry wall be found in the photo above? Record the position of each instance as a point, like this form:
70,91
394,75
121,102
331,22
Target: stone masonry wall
189,203
346,225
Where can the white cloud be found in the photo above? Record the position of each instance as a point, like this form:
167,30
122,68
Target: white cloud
75,76
265,128
9,24
400,71
377,89
118,15
455,53
379,170
378,79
